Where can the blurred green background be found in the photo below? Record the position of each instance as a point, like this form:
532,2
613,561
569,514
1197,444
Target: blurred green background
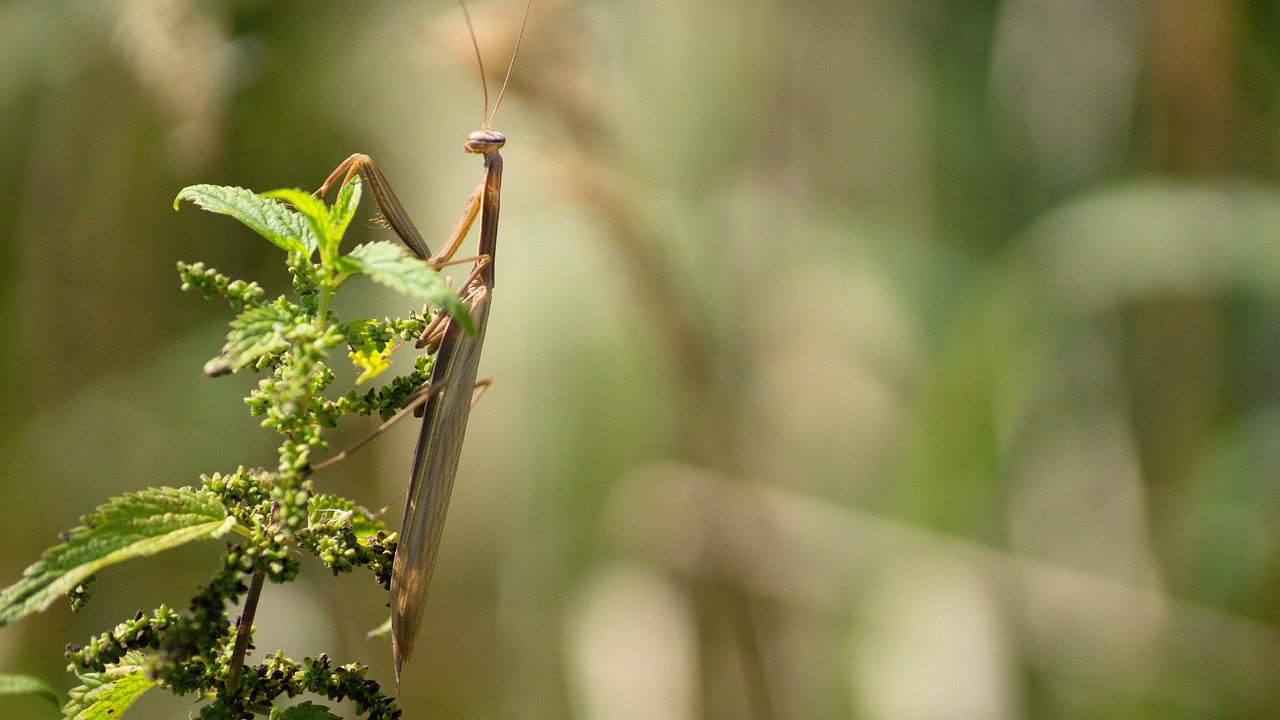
868,359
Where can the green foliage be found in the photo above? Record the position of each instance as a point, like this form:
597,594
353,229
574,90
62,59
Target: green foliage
389,265
260,332
124,528
106,695
277,513
327,223
303,711
287,229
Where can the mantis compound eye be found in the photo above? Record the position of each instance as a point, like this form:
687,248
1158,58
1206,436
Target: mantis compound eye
483,141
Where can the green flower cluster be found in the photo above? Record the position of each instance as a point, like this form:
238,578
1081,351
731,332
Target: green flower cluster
190,652
211,284
277,676
185,641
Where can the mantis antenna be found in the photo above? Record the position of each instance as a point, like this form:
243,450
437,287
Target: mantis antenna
487,120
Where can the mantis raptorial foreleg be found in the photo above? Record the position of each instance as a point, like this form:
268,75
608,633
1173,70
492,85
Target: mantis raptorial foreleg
394,213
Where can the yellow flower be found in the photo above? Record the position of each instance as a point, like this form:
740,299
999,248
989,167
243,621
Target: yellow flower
370,362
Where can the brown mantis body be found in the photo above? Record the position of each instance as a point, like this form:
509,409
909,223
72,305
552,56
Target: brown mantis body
453,374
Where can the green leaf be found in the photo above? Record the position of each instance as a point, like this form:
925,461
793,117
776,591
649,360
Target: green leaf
317,216
259,331
363,522
344,208
388,264
346,265
126,527
304,711
27,685
272,220
106,695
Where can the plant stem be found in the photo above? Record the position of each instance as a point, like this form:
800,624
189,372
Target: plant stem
327,287
243,630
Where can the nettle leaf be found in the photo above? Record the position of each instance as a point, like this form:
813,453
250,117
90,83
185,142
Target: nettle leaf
269,218
362,521
317,218
303,711
27,685
259,331
346,265
130,526
344,208
388,264
106,695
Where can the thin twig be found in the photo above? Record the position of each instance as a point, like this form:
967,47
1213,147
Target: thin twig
244,629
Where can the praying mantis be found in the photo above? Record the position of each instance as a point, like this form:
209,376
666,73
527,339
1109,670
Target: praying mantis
448,393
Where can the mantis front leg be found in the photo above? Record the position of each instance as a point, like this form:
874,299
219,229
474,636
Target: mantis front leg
394,213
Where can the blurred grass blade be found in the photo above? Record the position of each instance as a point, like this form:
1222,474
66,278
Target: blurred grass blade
383,630
27,685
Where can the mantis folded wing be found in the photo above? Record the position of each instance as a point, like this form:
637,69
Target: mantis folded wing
453,375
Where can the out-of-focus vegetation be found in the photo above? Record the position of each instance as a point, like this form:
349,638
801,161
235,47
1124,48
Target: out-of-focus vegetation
852,359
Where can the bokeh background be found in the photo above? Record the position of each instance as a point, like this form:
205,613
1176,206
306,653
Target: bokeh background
864,359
